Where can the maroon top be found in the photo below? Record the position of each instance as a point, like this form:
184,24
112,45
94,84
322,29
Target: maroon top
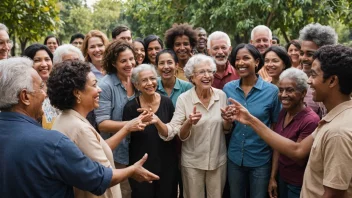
230,74
301,126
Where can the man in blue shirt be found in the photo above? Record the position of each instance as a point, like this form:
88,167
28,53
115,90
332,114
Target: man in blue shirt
41,163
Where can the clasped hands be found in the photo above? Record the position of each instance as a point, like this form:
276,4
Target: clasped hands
235,112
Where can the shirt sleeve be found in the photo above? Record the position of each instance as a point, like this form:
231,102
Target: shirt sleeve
337,153
88,141
276,107
103,112
73,168
176,123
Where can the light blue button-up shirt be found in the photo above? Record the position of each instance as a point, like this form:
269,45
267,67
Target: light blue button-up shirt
246,147
180,87
112,99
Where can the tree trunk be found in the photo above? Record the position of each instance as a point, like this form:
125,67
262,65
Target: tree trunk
287,39
23,44
13,49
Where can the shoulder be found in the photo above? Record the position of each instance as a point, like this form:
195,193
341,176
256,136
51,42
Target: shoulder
219,92
184,83
106,81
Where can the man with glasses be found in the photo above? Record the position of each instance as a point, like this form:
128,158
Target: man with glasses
219,47
5,42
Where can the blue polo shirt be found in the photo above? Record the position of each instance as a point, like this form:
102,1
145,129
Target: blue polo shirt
246,147
35,162
112,100
180,87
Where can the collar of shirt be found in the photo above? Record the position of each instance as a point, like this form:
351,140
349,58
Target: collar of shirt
195,99
12,116
336,111
161,87
258,84
228,71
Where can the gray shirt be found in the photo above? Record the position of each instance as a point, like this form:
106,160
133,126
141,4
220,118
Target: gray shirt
112,100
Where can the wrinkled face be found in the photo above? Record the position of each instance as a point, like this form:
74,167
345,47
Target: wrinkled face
42,64
203,75
166,66
306,55
90,95
5,44
78,42
219,50
293,52
273,64
201,39
140,52
261,40
290,97
319,86
95,49
245,63
147,82
36,97
153,48
52,44
182,48
125,35
72,56
125,63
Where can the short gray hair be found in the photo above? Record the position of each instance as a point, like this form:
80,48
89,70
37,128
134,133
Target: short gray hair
15,75
64,50
298,76
319,34
194,61
260,28
217,35
139,69
3,27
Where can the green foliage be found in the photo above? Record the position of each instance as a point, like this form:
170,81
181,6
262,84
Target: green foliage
29,20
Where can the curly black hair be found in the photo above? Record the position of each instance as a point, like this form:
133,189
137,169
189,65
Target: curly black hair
63,80
112,52
336,60
180,30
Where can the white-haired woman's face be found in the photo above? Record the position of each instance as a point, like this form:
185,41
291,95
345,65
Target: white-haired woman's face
147,82
290,97
72,56
203,75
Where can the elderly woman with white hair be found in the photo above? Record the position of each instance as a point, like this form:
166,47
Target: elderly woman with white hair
296,121
162,158
67,52
198,122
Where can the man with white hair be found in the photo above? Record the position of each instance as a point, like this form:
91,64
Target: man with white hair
67,52
261,38
5,42
219,47
36,162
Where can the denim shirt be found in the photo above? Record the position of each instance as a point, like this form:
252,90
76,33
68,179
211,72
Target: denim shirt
246,147
112,99
180,87
96,72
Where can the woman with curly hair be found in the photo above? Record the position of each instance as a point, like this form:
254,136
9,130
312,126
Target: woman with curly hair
73,89
117,90
43,63
182,39
93,48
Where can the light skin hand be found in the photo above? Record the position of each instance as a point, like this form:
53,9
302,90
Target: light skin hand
141,174
236,112
195,116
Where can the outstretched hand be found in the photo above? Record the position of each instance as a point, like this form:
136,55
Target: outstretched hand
195,116
236,112
141,174
135,124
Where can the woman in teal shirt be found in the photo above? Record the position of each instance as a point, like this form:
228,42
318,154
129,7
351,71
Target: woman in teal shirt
168,84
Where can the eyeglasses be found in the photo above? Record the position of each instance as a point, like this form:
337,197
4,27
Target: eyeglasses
203,72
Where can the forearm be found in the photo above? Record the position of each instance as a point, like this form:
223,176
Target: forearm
275,164
185,129
115,140
227,125
161,127
118,175
332,193
110,126
281,144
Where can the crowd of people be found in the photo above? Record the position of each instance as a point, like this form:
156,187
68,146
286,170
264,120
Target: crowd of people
187,115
